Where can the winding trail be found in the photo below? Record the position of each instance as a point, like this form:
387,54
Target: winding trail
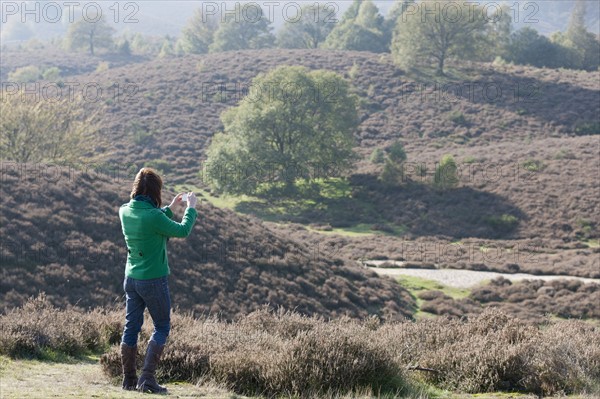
462,278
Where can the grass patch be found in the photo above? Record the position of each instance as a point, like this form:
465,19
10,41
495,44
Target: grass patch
362,230
417,285
324,201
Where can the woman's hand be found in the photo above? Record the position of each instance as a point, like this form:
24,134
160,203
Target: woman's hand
177,200
191,200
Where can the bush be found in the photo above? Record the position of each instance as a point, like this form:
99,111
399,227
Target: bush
280,353
533,165
396,152
139,134
587,128
51,74
495,352
446,174
503,224
26,74
270,354
377,156
458,118
103,66
391,175
160,165
39,327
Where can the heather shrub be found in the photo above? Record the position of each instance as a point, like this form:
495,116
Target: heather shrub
39,327
567,359
273,353
496,352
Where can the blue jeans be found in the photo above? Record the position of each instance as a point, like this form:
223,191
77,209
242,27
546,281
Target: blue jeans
154,295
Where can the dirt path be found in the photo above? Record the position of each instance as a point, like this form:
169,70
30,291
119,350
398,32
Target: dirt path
463,278
21,379
29,379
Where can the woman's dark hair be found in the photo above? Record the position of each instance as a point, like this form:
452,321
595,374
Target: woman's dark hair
148,182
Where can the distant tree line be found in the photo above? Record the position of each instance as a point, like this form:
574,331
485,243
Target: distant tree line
416,33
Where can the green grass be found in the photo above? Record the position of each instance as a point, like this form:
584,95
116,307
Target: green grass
416,285
317,201
361,230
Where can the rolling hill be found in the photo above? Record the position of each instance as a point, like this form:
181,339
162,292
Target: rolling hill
525,140
61,234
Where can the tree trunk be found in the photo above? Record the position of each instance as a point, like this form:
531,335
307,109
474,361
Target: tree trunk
440,68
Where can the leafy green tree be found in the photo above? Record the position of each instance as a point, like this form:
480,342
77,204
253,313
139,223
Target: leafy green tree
446,174
391,19
391,173
498,36
396,152
420,37
361,29
124,47
43,131
583,47
166,50
241,34
294,120
377,156
198,34
309,31
393,169
90,35
528,47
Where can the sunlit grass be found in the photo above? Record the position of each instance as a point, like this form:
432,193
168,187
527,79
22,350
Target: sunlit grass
307,202
416,285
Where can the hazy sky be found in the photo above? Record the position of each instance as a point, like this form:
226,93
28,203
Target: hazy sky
161,17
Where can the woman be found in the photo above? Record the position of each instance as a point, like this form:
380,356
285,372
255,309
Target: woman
147,227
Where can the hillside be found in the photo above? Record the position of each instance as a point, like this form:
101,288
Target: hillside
61,235
526,150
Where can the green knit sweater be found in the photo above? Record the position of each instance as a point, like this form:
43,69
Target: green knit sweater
146,230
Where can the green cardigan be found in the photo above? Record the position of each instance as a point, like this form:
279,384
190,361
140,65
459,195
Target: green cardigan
146,230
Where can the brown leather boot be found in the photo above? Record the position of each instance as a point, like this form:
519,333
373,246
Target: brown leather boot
128,354
147,381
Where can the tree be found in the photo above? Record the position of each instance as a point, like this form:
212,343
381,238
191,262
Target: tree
396,152
446,174
297,121
361,29
498,35
377,156
90,35
309,31
421,36
198,34
43,131
583,47
392,173
391,19
243,33
528,47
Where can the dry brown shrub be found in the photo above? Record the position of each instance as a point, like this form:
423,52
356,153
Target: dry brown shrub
38,326
273,353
